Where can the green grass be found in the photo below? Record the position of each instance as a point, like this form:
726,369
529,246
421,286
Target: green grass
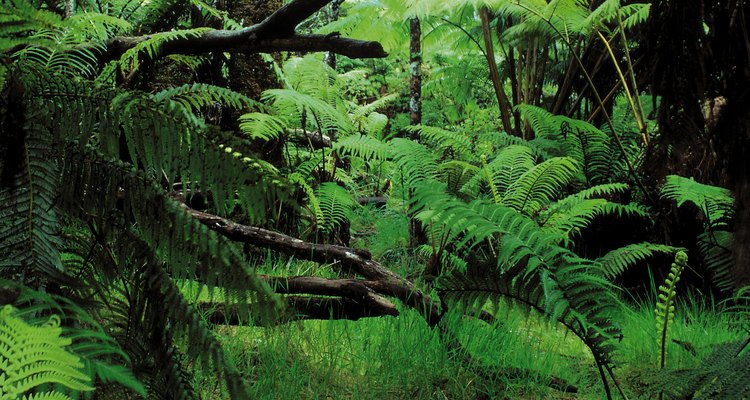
402,358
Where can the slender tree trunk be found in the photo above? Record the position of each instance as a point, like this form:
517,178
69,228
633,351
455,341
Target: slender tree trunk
510,63
417,234
333,15
70,6
502,98
415,68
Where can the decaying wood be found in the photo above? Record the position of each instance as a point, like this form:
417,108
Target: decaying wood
379,279
298,308
313,139
275,33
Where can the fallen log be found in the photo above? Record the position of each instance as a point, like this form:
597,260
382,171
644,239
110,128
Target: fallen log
380,279
298,308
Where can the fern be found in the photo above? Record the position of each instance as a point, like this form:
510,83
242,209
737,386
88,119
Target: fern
716,203
101,356
336,205
131,59
715,242
364,146
665,306
262,126
34,356
614,263
505,169
721,375
200,95
539,185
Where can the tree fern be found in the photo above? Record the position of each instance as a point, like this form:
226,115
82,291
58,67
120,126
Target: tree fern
716,203
506,168
102,358
721,375
363,146
197,96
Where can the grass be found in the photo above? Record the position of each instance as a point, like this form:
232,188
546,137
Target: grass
402,358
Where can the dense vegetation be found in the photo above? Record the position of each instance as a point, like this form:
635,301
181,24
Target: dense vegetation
374,199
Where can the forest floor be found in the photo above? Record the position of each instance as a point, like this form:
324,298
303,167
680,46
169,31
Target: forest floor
519,357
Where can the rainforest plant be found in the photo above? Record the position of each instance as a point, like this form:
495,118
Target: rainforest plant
665,306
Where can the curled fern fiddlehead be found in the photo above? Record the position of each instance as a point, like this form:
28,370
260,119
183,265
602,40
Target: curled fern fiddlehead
665,305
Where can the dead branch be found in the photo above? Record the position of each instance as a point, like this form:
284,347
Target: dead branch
298,308
275,33
380,279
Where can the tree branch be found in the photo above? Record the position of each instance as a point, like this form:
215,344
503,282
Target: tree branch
381,279
275,33
352,289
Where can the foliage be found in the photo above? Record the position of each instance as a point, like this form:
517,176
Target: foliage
717,206
720,375
665,306
128,239
34,356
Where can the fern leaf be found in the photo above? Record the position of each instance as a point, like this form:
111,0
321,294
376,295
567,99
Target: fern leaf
33,356
539,185
614,263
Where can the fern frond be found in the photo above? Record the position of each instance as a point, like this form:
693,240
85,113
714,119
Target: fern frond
505,169
457,142
196,96
614,263
415,161
130,60
262,126
364,146
336,204
304,106
33,356
715,202
715,247
580,301
161,223
539,185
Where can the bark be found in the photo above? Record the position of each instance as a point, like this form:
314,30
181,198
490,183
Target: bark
313,139
250,74
417,234
502,98
415,68
298,308
346,259
275,33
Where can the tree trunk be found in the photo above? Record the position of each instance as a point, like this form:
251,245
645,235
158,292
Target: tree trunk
417,234
333,16
415,68
249,74
502,98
